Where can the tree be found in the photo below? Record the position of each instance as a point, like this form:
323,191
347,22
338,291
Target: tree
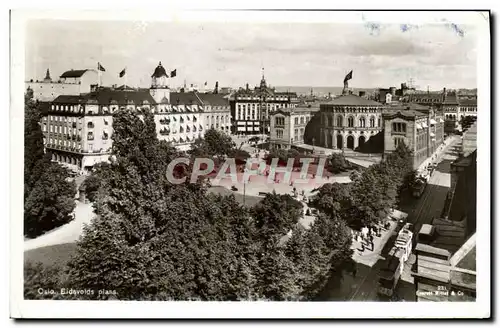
337,163
333,198
50,202
214,143
153,240
277,214
93,182
33,143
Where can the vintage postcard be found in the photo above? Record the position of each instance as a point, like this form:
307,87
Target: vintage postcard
250,164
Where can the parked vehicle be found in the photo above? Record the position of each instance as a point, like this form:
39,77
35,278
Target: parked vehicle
393,265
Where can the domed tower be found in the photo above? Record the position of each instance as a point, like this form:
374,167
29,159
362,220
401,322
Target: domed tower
159,85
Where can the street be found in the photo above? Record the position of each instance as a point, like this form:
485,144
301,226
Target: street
420,211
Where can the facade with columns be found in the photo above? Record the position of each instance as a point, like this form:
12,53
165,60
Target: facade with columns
349,121
251,109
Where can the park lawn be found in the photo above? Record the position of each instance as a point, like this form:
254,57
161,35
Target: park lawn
51,255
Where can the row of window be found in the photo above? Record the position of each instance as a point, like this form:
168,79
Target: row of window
303,120
350,121
279,121
65,143
399,127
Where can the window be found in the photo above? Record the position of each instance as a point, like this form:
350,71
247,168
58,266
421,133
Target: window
302,120
91,147
51,128
90,125
296,134
340,120
279,134
350,122
330,121
280,121
296,120
90,136
362,122
106,122
399,127
379,122
398,141
372,122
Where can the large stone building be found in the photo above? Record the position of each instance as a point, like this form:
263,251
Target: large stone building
419,127
288,126
72,82
78,128
349,121
251,109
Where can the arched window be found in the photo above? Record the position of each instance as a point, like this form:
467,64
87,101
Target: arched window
90,125
350,122
340,121
302,120
362,122
379,123
372,122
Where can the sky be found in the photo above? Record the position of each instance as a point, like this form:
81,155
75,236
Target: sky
298,54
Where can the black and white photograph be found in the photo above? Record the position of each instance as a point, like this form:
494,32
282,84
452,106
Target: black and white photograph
227,163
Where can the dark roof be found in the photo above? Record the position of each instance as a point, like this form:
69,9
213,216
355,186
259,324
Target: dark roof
67,99
468,101
213,99
410,110
451,99
159,71
184,98
74,73
105,96
353,100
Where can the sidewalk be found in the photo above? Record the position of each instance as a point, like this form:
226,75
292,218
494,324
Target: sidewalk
438,153
370,257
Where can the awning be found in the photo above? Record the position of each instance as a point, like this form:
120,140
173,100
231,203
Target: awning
432,134
433,121
441,120
424,125
419,126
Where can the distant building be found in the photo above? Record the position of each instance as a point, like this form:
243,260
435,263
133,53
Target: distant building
78,128
73,82
251,109
288,126
419,127
349,121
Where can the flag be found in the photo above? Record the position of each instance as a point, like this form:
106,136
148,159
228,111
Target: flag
173,73
122,73
348,77
99,67
205,83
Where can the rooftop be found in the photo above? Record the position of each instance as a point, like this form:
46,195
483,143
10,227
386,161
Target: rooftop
104,96
213,99
352,100
74,73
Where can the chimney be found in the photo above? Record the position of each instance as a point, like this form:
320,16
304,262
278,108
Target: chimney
246,87
392,90
216,90
444,94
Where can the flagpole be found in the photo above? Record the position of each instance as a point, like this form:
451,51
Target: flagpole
125,77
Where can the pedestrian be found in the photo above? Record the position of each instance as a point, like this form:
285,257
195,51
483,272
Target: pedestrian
354,270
